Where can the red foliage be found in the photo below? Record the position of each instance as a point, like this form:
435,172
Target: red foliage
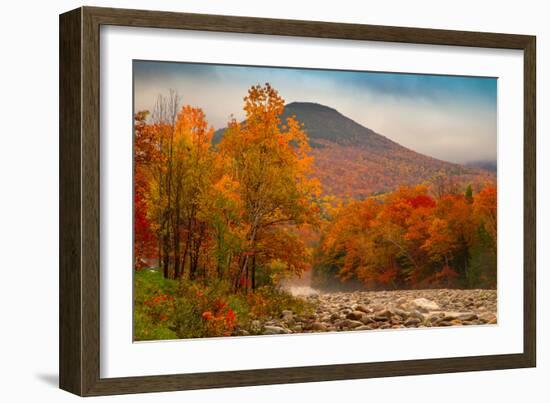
388,275
160,307
407,236
421,200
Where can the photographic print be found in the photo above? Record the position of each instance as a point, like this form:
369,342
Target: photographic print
278,201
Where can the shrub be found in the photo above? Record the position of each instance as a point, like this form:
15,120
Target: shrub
170,309
154,304
203,311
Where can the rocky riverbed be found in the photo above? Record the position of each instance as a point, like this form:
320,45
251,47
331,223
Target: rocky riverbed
369,310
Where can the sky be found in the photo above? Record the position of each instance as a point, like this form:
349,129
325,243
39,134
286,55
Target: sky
452,118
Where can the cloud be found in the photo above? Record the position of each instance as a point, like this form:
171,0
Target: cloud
447,117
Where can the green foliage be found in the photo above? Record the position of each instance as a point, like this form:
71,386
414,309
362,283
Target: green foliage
483,262
469,194
153,305
172,309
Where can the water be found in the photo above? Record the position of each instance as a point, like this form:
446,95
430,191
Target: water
301,290
300,286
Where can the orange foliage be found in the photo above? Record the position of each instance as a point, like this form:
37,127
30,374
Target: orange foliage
407,237
221,212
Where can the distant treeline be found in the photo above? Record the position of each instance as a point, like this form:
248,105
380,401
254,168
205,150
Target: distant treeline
412,238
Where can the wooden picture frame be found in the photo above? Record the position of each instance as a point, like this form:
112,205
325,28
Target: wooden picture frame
79,346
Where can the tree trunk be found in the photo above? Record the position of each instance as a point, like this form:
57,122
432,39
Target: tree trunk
253,273
184,258
177,249
244,265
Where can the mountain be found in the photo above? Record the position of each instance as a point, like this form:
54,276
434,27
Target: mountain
489,165
355,161
327,124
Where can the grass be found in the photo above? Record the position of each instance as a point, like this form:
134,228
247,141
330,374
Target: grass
153,305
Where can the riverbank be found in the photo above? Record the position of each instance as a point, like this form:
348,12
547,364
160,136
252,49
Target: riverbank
370,310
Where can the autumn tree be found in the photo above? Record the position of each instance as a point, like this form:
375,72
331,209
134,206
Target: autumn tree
175,158
351,243
158,171
144,155
270,162
485,209
193,178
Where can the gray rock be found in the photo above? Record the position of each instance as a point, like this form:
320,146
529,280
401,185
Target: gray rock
401,301
417,315
352,324
334,316
275,330
487,317
286,313
396,320
404,314
450,315
366,320
355,315
364,327
424,305
362,308
467,317
256,326
318,326
412,322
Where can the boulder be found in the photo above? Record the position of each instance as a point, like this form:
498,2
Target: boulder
255,326
362,308
400,312
424,305
364,327
334,316
417,315
352,324
412,322
275,330
467,316
318,327
366,320
286,313
355,315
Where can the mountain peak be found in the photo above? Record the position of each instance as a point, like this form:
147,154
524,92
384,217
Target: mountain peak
323,123
310,105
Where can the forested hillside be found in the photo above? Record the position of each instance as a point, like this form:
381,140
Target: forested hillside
353,161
